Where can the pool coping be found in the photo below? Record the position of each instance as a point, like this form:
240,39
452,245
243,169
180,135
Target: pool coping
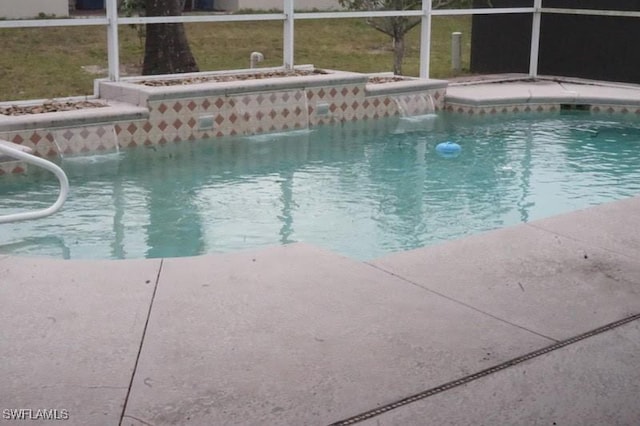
549,91
112,111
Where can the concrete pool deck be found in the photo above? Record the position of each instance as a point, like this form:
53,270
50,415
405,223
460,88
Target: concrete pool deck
506,94
297,335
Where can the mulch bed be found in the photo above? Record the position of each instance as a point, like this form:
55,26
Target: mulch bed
229,77
255,76
390,79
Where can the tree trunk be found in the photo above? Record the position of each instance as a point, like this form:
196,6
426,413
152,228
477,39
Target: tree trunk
398,53
166,49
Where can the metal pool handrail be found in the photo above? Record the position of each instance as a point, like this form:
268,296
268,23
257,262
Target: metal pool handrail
5,148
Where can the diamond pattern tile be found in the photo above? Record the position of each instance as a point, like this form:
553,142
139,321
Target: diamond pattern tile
177,120
35,138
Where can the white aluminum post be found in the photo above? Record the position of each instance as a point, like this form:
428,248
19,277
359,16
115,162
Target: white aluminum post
113,46
535,39
425,39
456,52
287,50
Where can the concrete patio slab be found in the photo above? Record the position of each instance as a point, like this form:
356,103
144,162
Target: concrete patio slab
611,226
553,285
297,335
70,334
593,382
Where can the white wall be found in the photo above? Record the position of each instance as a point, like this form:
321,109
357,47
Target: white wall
304,5
12,9
226,5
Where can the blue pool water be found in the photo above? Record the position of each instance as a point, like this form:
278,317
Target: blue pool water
363,189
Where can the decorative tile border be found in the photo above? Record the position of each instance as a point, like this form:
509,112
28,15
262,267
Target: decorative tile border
41,141
84,140
501,109
12,167
68,141
615,109
527,108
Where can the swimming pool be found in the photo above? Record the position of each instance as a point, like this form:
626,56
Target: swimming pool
361,189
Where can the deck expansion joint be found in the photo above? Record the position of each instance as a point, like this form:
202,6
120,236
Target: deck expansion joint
144,334
483,373
461,302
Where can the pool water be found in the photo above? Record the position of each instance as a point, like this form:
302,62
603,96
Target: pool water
360,189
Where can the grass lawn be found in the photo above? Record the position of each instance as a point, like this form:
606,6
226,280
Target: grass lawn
48,62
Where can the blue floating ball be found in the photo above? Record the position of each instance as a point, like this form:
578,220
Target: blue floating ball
448,149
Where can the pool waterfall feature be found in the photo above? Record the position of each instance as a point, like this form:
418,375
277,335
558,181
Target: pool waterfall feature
140,115
137,115
415,104
206,110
